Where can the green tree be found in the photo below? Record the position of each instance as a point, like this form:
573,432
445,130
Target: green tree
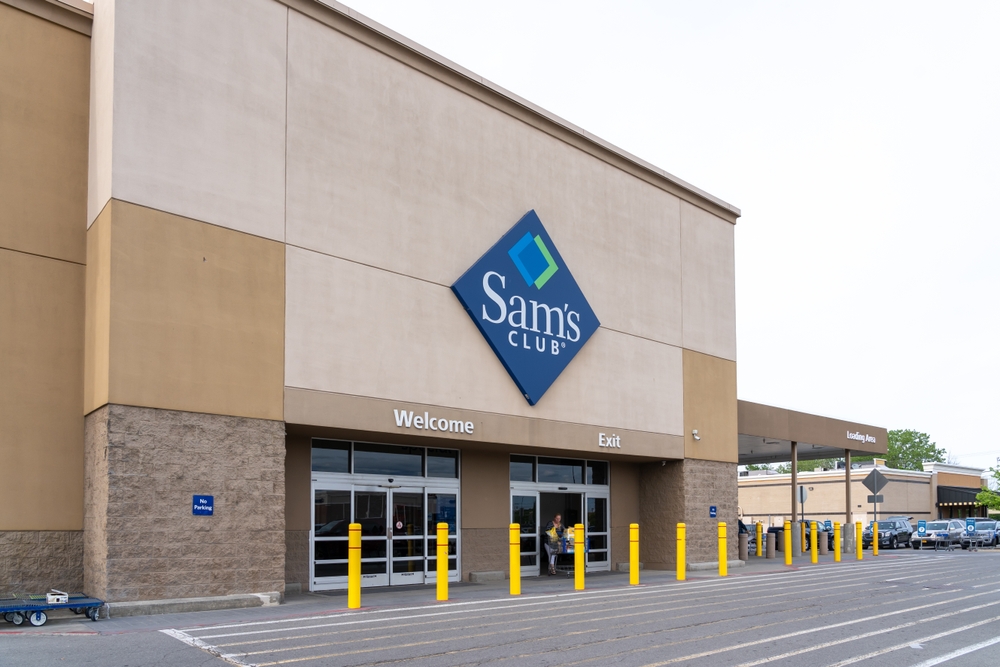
758,466
808,466
909,449
987,496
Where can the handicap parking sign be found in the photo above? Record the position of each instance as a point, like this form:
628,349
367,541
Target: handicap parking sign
828,525
921,527
970,525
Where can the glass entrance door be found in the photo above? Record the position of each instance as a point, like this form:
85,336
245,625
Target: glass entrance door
598,537
398,534
524,511
407,535
442,507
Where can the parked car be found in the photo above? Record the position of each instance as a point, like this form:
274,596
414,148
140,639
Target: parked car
944,532
892,533
986,530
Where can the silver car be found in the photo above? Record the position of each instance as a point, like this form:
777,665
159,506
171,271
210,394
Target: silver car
941,533
985,535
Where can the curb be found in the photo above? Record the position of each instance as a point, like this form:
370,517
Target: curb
181,605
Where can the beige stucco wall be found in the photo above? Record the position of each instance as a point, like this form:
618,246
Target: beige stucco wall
905,494
386,177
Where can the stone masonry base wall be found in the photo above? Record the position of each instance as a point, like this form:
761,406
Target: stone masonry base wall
484,550
34,561
683,491
297,558
143,467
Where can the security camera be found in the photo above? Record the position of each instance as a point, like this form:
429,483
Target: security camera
391,480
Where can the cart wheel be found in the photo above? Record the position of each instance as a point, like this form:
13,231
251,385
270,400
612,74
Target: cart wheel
38,618
16,618
76,610
7,616
94,613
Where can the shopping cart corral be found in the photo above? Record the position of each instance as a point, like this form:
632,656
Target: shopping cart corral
19,608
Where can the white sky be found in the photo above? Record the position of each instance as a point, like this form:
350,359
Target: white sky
861,142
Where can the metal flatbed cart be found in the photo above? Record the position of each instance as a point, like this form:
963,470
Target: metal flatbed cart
19,608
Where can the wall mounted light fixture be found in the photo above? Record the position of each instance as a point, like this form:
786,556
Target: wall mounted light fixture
695,434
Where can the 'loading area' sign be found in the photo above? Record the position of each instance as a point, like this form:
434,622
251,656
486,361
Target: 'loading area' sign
527,305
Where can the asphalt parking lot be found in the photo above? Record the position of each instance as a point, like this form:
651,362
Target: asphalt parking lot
921,608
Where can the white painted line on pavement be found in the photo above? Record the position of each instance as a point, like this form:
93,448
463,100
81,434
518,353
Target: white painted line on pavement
798,633
864,635
753,580
924,640
197,643
956,654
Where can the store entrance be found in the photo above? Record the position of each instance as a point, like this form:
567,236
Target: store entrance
397,533
569,505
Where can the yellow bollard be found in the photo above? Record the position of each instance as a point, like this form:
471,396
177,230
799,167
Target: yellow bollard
875,538
857,539
802,536
760,538
723,560
836,541
515,559
788,542
579,556
633,554
812,542
681,552
354,566
442,562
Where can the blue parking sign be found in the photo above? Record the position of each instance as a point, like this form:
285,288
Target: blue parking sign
712,512
921,527
203,505
970,525
828,525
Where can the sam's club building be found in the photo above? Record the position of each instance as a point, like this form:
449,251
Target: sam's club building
269,268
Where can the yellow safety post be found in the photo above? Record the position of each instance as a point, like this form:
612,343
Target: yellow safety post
760,538
515,559
875,538
812,542
579,556
723,560
787,533
354,566
681,552
802,536
633,554
857,539
442,562
836,541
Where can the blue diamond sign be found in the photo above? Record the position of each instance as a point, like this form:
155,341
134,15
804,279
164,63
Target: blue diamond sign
527,305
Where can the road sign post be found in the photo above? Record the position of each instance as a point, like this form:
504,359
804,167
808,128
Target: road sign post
875,482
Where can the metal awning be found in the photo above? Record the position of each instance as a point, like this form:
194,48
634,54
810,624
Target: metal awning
766,434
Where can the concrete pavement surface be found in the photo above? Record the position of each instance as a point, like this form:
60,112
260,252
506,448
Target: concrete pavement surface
921,608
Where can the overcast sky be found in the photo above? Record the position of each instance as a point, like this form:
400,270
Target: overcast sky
861,142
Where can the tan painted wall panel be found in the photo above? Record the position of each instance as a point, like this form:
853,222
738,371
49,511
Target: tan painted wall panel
710,407
41,393
957,479
197,316
485,489
97,325
709,281
298,482
354,329
44,98
375,418
392,168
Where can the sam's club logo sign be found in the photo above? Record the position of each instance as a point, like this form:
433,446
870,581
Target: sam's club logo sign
527,305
